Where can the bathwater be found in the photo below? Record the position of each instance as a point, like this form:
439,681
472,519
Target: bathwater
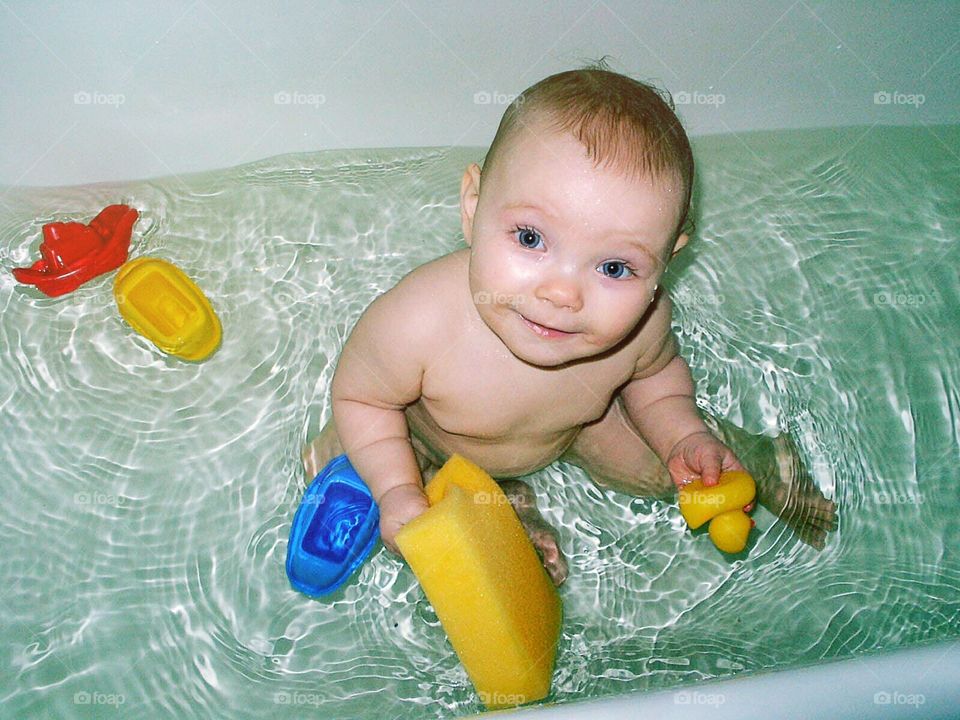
146,501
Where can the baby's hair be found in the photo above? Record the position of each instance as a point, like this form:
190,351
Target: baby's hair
623,123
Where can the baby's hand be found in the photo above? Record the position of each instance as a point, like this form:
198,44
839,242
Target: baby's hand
398,506
700,454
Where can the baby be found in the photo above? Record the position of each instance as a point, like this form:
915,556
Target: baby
546,338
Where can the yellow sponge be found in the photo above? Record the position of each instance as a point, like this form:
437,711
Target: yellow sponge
480,572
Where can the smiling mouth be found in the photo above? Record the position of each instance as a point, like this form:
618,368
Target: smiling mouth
543,330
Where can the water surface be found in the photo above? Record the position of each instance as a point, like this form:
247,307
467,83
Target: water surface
146,501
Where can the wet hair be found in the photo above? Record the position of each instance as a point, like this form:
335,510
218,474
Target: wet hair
623,123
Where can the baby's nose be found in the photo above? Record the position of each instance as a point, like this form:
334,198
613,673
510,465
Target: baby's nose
560,291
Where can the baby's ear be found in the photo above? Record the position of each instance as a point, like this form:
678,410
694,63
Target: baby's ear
469,196
681,241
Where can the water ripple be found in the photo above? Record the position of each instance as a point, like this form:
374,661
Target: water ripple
147,501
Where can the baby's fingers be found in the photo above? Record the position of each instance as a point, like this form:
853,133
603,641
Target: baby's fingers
710,469
718,463
680,472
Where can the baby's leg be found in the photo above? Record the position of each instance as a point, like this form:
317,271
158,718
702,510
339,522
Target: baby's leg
615,456
542,536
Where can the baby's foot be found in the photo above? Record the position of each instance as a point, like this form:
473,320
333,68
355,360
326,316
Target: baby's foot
543,537
786,489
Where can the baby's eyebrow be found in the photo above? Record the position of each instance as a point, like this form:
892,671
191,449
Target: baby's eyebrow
645,250
528,206
626,238
633,244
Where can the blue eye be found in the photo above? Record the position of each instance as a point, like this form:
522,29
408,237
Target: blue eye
613,265
527,234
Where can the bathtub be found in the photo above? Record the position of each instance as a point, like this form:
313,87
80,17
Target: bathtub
929,677
115,601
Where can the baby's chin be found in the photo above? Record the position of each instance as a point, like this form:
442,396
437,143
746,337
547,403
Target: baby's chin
554,361
549,354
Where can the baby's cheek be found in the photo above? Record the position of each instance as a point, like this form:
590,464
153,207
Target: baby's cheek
618,323
482,274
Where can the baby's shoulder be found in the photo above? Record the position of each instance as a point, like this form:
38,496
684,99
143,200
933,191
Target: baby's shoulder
425,296
655,344
435,284
445,274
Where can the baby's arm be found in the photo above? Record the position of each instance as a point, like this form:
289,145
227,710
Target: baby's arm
378,374
660,402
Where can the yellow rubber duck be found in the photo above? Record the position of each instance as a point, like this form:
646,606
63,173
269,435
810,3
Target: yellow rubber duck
722,504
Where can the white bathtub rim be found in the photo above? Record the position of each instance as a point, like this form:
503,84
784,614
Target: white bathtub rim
921,681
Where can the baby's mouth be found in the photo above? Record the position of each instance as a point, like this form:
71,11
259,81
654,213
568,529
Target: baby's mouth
543,330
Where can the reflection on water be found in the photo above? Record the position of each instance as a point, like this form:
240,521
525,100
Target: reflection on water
146,501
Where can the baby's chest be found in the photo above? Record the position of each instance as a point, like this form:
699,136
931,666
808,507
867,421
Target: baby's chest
495,402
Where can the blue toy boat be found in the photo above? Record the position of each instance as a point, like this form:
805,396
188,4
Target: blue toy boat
334,530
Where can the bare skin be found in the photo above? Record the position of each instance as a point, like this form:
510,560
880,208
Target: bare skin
608,447
466,355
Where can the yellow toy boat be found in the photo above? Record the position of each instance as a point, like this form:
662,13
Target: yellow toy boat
165,306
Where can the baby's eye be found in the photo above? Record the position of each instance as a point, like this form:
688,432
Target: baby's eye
526,235
616,268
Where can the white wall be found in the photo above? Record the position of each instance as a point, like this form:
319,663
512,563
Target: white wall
111,90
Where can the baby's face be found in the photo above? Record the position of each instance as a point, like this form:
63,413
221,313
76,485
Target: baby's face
558,244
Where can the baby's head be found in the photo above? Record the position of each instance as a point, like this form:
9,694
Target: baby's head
582,200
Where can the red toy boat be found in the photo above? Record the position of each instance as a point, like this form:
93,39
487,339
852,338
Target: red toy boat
72,253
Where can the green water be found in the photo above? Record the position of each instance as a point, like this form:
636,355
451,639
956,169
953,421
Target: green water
146,501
